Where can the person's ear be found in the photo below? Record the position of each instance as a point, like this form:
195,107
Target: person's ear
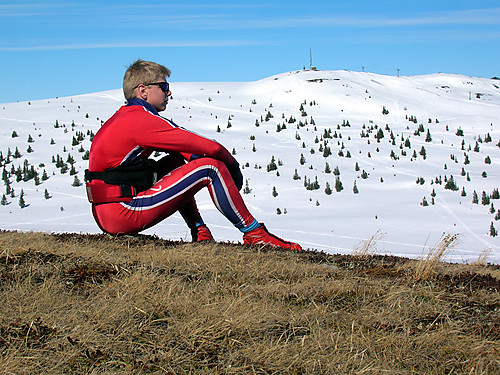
142,91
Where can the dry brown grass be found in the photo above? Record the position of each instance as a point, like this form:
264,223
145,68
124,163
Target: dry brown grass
74,304
426,268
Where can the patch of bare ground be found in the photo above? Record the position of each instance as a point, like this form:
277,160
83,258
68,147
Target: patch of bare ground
94,304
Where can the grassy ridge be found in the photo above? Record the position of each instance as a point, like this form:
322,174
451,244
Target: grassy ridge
82,304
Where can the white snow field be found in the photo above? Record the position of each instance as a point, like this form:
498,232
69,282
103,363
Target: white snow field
341,111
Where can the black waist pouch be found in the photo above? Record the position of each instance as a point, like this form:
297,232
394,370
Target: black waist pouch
141,174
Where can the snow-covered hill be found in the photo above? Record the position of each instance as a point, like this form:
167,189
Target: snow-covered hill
366,132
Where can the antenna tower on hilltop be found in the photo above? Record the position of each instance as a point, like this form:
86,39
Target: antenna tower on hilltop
311,67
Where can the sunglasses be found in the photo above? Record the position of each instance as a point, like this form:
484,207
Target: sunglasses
164,86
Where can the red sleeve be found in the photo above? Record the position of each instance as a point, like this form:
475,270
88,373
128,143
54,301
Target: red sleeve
157,133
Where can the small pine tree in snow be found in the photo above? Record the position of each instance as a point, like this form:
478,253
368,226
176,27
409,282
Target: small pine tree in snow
274,193
475,198
4,200
450,184
22,203
338,184
355,188
296,175
46,194
495,194
493,231
246,189
272,165
76,182
328,189
428,137
423,152
485,199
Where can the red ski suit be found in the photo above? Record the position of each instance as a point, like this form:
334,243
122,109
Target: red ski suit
193,161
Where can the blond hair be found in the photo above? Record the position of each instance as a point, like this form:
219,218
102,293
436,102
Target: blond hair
142,72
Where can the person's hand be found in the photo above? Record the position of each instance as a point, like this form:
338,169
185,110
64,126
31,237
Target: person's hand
234,170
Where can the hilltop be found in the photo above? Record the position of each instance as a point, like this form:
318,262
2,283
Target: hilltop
332,159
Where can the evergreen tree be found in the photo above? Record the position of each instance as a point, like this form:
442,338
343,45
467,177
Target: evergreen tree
22,203
46,194
424,202
4,200
355,188
76,182
275,193
272,165
485,200
475,198
428,137
302,159
328,189
493,231
423,152
296,175
246,189
495,194
451,185
338,184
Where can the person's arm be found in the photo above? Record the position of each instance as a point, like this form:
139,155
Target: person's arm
159,134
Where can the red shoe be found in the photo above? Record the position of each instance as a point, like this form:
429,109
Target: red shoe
261,236
202,233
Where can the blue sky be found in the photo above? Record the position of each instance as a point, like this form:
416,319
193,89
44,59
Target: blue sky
62,48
